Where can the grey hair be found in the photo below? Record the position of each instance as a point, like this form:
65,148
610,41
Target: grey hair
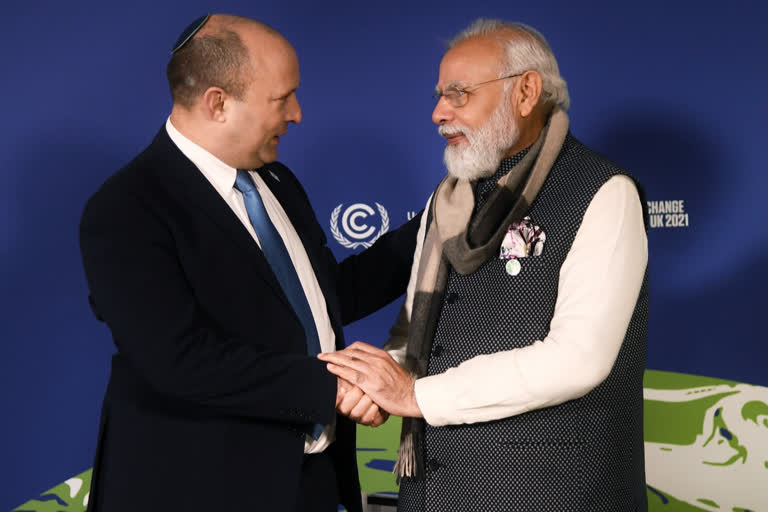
525,49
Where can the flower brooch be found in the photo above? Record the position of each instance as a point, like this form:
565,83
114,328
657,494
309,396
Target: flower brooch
523,239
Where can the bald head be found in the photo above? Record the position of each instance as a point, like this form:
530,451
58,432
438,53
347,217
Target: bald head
218,56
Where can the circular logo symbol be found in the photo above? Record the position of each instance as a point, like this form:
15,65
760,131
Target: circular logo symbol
354,226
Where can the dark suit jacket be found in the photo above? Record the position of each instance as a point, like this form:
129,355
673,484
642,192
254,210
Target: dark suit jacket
211,389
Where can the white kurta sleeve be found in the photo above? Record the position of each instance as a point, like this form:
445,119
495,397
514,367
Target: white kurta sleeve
598,287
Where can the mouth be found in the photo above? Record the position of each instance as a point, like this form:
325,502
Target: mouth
455,138
453,134
276,138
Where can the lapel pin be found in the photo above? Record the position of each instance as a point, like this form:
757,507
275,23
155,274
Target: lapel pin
512,267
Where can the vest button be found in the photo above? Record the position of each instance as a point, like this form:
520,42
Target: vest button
452,297
437,351
433,465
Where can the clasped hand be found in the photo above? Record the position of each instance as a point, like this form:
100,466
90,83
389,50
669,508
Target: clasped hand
371,385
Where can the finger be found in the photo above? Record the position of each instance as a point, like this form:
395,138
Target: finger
366,348
369,353
361,407
378,366
371,415
350,401
342,388
360,365
346,373
352,353
345,350
341,357
382,418
348,352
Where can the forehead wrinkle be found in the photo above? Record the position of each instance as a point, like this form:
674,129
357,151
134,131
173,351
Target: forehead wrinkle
474,56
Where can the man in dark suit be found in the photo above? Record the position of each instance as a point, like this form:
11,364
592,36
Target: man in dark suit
215,400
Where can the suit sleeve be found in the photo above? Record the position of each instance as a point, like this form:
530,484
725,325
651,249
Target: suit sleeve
137,282
368,281
372,279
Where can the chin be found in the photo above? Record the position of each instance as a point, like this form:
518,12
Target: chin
469,174
462,165
267,157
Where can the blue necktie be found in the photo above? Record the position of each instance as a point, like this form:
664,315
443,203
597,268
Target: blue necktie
277,255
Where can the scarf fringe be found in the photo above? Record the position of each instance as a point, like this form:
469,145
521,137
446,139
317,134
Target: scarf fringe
406,459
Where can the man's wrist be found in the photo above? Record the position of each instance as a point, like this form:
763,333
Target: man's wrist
414,409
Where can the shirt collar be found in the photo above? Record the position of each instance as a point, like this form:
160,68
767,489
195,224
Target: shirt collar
221,175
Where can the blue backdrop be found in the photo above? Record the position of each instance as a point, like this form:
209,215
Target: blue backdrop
674,91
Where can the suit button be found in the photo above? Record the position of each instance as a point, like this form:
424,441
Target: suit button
433,465
452,297
437,351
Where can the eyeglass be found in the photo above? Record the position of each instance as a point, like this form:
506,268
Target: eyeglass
458,96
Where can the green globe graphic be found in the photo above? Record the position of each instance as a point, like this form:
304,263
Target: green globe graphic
706,449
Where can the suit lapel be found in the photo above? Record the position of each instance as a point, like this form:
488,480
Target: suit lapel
294,208
312,237
186,182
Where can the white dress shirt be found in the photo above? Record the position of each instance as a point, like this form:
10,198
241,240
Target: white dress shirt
599,283
222,177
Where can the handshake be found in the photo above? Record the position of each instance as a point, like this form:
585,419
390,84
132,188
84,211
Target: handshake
371,385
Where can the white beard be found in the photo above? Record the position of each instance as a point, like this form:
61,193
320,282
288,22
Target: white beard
485,147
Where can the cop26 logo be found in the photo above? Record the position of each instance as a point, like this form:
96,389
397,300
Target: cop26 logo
354,226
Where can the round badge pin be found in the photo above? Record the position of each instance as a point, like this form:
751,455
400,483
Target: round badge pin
513,267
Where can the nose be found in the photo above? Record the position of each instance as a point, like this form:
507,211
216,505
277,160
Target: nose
294,110
443,112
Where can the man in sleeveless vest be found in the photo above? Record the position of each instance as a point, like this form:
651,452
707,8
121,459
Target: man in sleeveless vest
518,356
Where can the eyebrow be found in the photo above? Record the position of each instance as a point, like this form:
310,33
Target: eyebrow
285,95
458,84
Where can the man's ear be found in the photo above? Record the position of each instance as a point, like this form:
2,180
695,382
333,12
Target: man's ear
213,103
530,88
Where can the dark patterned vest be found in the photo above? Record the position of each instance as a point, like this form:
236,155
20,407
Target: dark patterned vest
583,455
